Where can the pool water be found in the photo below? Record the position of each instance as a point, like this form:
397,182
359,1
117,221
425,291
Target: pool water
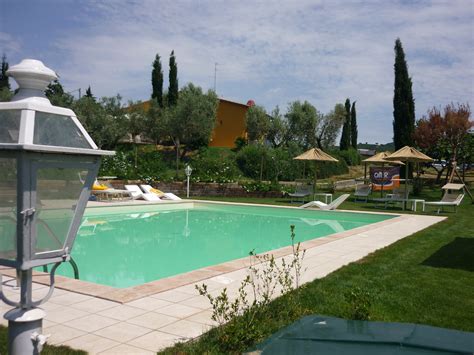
127,247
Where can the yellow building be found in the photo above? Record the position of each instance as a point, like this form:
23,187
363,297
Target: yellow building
230,122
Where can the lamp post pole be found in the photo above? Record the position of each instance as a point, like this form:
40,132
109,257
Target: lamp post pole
188,170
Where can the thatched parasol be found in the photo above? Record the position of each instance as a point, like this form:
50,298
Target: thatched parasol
409,155
315,154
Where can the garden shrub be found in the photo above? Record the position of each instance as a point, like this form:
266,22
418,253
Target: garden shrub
266,279
281,165
214,165
350,156
249,160
278,163
150,166
358,304
327,169
239,143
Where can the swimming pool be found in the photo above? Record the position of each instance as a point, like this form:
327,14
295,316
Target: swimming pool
128,246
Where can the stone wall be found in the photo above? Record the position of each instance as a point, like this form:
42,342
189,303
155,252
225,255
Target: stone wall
201,189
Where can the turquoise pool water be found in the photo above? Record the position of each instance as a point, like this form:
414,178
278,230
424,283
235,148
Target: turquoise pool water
126,247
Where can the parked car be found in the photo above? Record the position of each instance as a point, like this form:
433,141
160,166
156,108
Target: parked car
439,165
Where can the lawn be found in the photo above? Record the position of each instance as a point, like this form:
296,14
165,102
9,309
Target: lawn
427,278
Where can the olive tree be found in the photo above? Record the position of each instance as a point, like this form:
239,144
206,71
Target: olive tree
191,121
302,120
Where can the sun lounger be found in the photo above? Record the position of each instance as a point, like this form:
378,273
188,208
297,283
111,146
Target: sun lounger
396,197
448,199
160,194
362,192
301,192
137,193
323,206
112,194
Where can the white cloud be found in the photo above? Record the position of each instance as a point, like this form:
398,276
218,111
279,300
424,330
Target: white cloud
8,44
276,52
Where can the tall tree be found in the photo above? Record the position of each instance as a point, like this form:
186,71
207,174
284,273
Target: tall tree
329,127
191,121
353,126
105,120
403,102
173,81
302,121
89,93
346,128
4,83
157,81
278,128
257,123
136,124
444,135
57,96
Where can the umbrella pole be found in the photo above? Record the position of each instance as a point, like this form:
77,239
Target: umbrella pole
365,172
406,185
315,171
383,177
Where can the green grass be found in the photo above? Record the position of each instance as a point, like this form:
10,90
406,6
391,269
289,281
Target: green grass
426,278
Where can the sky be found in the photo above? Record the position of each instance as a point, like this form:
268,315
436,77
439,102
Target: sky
272,52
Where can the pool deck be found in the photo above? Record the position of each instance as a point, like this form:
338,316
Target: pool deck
150,317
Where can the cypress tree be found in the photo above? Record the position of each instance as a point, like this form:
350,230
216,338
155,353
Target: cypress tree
354,126
346,128
157,81
4,83
403,102
173,81
89,93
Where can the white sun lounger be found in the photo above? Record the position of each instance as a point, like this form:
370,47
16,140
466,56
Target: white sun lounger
448,199
321,205
137,193
166,195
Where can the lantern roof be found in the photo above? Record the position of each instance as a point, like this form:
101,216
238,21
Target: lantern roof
30,122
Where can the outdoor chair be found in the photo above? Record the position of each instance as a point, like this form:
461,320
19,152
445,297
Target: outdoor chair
302,191
397,196
323,206
362,192
160,194
448,199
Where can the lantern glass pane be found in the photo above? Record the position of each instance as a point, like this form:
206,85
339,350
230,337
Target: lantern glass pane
57,130
8,207
57,194
10,126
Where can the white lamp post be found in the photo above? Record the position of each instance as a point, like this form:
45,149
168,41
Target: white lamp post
188,170
44,152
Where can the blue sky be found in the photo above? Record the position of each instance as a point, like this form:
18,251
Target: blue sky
272,52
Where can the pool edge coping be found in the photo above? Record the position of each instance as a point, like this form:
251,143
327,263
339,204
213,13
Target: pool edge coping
124,295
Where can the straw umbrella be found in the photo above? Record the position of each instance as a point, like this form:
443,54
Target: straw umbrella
408,155
379,158
315,154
